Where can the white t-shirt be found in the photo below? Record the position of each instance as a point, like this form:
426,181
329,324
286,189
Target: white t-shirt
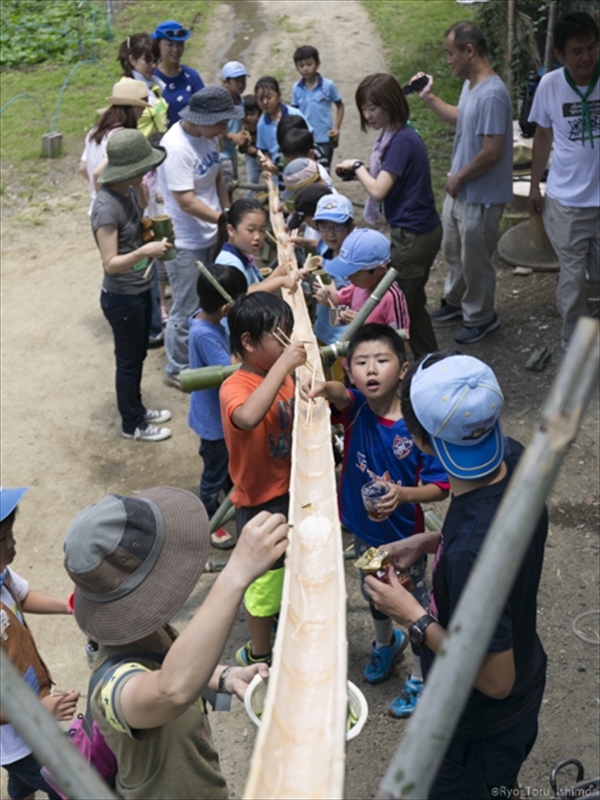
12,746
92,155
192,163
573,176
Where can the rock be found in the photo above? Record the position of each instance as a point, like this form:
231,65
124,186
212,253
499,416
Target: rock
539,359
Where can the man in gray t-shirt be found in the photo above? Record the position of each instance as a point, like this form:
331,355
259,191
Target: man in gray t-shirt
479,182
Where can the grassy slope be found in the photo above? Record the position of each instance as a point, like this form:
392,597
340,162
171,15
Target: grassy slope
413,33
23,123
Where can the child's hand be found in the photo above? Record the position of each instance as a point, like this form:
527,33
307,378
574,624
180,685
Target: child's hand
392,598
62,706
239,139
262,541
405,552
318,390
395,497
293,356
335,134
323,296
347,315
291,281
280,271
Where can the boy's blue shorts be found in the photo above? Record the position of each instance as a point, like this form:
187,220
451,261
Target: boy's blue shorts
24,778
416,572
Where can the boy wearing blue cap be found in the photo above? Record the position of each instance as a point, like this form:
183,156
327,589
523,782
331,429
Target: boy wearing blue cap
363,259
234,76
385,478
452,405
178,82
16,597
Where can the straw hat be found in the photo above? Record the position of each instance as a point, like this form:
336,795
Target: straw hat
130,154
211,105
129,92
135,561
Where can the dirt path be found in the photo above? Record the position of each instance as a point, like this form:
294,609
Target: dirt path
60,431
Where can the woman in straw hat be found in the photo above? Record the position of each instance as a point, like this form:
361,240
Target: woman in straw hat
126,106
126,288
134,562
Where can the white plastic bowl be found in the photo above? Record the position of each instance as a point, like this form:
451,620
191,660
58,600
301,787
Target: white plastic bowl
256,693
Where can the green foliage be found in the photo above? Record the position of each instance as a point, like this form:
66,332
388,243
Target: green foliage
413,33
61,31
23,123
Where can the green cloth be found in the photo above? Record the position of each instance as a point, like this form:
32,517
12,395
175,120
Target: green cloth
586,117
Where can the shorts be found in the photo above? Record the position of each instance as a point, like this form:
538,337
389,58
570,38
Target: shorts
263,597
24,779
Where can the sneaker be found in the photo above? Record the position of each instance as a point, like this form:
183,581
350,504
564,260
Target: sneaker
173,380
157,417
222,539
156,341
244,656
445,312
469,335
403,706
148,434
382,659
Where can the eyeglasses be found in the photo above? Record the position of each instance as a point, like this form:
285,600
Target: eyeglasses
182,33
330,228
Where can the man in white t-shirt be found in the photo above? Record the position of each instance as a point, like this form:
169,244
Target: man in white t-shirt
566,108
195,195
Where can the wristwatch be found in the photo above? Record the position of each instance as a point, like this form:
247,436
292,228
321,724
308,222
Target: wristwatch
222,678
356,165
416,631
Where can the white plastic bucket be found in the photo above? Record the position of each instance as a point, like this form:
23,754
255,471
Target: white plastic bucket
256,693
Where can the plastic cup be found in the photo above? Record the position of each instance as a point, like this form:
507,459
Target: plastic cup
371,494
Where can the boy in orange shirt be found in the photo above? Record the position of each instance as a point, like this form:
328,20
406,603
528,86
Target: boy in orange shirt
257,414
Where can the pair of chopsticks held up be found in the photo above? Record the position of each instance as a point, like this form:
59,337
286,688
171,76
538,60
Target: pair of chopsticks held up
284,340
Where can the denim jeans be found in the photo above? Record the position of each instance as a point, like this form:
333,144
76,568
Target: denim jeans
129,317
156,324
183,277
215,475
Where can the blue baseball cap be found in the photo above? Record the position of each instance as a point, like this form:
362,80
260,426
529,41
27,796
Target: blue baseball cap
234,69
9,500
364,248
334,208
458,401
172,31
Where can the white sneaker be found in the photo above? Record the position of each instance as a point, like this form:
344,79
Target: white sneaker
157,417
148,434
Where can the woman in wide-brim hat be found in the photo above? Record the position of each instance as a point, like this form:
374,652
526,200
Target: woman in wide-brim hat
178,82
134,562
126,289
127,104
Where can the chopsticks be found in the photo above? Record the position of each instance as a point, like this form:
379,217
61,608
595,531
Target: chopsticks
284,340
319,280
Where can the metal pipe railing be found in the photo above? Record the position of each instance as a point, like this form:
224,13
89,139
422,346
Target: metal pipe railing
75,778
415,763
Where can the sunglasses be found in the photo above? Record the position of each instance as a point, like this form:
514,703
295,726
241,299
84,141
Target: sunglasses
182,33
330,228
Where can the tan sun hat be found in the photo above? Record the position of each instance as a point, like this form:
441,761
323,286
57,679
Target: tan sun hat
129,92
135,561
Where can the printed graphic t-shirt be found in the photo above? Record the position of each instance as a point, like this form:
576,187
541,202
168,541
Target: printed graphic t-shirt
259,460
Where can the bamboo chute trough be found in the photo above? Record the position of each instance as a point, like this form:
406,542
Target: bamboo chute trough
300,749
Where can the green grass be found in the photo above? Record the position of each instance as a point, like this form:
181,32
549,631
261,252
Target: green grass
23,122
413,34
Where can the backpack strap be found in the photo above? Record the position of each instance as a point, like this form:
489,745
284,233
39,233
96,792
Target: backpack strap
87,722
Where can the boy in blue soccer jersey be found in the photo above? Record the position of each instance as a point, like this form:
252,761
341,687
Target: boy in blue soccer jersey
314,96
385,477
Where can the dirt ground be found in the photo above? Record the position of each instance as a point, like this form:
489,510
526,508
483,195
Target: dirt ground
60,427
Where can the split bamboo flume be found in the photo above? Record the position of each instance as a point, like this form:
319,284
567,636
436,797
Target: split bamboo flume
300,748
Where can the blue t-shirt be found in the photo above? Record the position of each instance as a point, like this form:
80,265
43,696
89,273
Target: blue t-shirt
324,331
208,347
266,131
230,256
409,203
377,449
177,91
315,104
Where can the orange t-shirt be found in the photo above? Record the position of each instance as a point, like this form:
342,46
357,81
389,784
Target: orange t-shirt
259,460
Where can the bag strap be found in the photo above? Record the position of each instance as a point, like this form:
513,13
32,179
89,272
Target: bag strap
87,722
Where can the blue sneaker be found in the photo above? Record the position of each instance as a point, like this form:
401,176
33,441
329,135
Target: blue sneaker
382,659
245,658
403,706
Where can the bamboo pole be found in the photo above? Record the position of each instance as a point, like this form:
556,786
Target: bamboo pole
416,761
549,50
224,294
195,380
51,747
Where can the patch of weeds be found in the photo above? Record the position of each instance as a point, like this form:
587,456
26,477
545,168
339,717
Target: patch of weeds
285,22
275,49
